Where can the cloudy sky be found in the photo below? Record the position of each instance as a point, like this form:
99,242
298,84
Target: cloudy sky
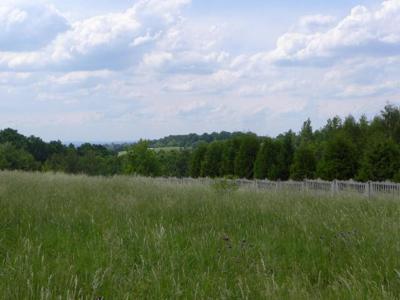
100,70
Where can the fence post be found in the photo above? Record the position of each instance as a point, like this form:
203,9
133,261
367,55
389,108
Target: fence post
334,187
305,186
368,189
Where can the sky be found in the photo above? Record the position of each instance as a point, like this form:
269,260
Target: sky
103,71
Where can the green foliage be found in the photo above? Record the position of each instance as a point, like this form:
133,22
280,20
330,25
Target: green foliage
264,166
12,158
339,160
211,164
67,161
197,160
38,149
192,140
304,164
140,160
396,177
342,149
13,137
284,160
229,152
275,158
306,133
246,157
381,161
174,163
390,118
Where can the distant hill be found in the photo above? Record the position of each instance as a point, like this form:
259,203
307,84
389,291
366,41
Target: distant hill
192,140
175,142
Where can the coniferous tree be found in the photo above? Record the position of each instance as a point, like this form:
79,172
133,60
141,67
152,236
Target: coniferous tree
285,148
197,160
246,157
343,149
304,163
339,160
182,164
211,165
390,118
229,153
266,159
306,133
381,161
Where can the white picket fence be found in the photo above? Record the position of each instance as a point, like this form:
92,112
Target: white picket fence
368,189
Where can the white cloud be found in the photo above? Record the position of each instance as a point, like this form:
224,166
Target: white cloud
111,41
188,48
363,32
316,22
75,77
29,27
152,67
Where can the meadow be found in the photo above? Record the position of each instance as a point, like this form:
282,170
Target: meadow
79,237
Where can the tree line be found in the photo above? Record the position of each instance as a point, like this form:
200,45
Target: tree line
342,149
191,140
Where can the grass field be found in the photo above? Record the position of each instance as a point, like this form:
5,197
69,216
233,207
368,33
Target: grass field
75,237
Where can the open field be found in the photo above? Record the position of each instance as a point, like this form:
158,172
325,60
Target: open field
76,237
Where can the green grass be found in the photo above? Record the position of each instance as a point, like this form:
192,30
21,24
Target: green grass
75,237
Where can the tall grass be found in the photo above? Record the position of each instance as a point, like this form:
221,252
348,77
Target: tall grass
75,237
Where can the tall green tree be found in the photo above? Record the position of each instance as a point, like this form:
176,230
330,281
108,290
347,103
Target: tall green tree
306,133
141,160
381,161
197,160
12,136
266,159
390,117
211,165
174,163
66,161
285,148
304,163
38,148
339,160
230,149
12,158
183,163
246,157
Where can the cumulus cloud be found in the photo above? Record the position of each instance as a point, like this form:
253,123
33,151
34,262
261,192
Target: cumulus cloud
112,41
153,66
29,27
187,48
363,32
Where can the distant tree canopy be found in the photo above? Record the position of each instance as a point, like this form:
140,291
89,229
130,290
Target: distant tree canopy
192,140
342,149
140,160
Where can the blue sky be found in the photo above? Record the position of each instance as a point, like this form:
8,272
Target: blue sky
122,70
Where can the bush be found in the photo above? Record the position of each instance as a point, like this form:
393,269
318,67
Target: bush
225,185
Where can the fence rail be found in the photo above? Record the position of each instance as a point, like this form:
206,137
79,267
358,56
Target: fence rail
368,189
